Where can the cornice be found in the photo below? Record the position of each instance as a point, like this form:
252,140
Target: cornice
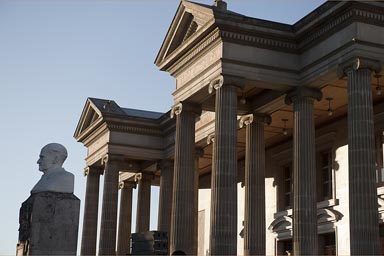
312,29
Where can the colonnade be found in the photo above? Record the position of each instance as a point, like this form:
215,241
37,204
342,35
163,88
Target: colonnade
113,240
179,179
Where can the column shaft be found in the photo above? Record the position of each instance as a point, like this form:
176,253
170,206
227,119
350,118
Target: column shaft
223,238
364,234
107,241
254,219
143,210
125,218
304,178
165,197
184,209
91,205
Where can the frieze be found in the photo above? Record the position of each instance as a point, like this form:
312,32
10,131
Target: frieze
192,53
137,130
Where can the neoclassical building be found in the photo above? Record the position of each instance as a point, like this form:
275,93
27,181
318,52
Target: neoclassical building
274,145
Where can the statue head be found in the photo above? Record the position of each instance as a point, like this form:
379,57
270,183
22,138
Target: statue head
52,156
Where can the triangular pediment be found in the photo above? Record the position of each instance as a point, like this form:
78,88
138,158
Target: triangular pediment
189,19
92,114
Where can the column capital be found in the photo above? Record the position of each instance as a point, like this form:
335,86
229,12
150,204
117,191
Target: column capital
165,164
127,184
358,63
210,138
199,152
143,176
223,80
94,170
257,117
303,92
109,158
180,106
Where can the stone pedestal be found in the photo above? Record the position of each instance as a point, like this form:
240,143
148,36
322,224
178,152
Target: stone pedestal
49,224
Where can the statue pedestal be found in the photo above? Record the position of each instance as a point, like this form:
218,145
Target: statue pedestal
49,224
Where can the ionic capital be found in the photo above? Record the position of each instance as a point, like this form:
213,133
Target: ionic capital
176,110
357,64
165,164
245,120
127,184
199,152
223,80
183,106
93,170
210,138
109,158
256,117
303,92
143,176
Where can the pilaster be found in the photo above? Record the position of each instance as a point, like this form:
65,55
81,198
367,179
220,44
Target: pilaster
223,238
91,206
364,229
305,240
254,215
184,211
125,217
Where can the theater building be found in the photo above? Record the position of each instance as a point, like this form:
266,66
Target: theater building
273,145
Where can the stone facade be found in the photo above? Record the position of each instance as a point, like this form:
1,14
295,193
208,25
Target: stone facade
304,173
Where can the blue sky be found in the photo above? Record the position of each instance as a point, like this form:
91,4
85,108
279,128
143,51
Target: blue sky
56,53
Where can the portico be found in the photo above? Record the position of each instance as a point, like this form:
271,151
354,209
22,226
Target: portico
289,111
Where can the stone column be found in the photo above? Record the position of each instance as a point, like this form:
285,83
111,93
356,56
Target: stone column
304,171
254,215
125,217
91,208
184,211
223,238
363,212
143,210
107,240
165,196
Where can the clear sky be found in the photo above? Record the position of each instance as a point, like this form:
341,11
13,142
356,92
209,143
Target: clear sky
56,53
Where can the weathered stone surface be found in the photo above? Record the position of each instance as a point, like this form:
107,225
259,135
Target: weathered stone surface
49,224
